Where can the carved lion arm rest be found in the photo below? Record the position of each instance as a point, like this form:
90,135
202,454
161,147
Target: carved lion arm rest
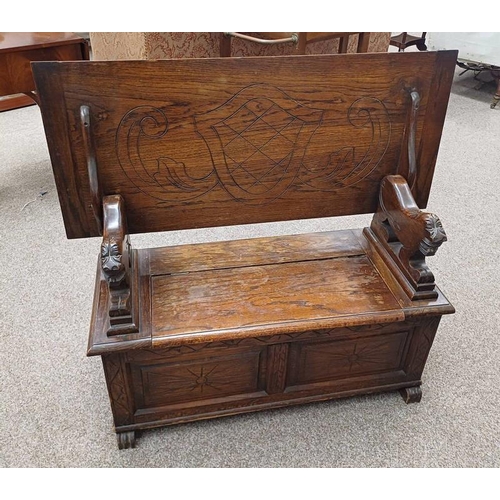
117,266
408,234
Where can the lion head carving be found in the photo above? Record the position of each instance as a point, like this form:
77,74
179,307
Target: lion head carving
435,235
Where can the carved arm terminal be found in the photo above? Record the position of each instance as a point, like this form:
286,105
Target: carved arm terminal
117,266
408,234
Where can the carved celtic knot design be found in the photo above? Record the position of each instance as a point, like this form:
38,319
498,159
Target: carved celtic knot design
259,145
259,142
267,143
349,165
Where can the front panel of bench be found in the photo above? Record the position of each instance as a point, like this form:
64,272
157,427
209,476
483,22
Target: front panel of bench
199,143
154,387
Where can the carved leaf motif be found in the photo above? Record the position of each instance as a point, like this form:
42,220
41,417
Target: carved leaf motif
435,228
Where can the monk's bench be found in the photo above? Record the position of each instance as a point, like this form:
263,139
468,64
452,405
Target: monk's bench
198,331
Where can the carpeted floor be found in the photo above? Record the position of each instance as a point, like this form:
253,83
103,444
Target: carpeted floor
54,408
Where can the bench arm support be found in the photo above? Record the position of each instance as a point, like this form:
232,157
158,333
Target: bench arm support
117,266
407,233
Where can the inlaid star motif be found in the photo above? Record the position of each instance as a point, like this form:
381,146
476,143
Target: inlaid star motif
202,380
357,356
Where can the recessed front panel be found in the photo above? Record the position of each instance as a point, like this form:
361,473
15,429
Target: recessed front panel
313,362
164,383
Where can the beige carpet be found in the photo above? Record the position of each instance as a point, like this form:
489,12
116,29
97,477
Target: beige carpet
54,409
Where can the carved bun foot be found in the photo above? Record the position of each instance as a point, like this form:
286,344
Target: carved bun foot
411,394
125,440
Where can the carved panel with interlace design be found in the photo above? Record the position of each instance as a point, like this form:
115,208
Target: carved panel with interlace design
259,145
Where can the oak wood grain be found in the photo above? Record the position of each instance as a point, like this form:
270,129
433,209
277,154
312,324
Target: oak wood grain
254,252
269,294
394,279
315,247
216,377
199,143
20,41
14,102
338,389
231,327
323,361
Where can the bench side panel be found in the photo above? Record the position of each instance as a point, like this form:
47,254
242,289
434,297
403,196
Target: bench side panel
211,142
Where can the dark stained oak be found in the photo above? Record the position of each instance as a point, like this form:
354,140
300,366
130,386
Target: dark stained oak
316,362
411,394
408,234
199,331
254,252
305,292
117,268
202,143
125,440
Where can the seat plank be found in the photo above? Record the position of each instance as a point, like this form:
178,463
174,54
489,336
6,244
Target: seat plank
254,252
270,295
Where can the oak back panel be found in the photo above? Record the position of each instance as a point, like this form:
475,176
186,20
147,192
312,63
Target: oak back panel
210,142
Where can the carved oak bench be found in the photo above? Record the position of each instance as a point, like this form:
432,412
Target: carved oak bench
200,331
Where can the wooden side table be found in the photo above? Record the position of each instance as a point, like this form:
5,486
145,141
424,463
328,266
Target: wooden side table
17,50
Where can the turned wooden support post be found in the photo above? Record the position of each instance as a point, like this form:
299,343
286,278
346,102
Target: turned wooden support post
117,266
408,234
225,45
363,41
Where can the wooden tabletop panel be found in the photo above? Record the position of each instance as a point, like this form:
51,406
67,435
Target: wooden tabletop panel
210,142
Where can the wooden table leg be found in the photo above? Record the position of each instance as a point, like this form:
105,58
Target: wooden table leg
343,44
225,45
363,41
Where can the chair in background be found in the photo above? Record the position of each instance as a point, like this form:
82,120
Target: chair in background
174,45
299,41
404,40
